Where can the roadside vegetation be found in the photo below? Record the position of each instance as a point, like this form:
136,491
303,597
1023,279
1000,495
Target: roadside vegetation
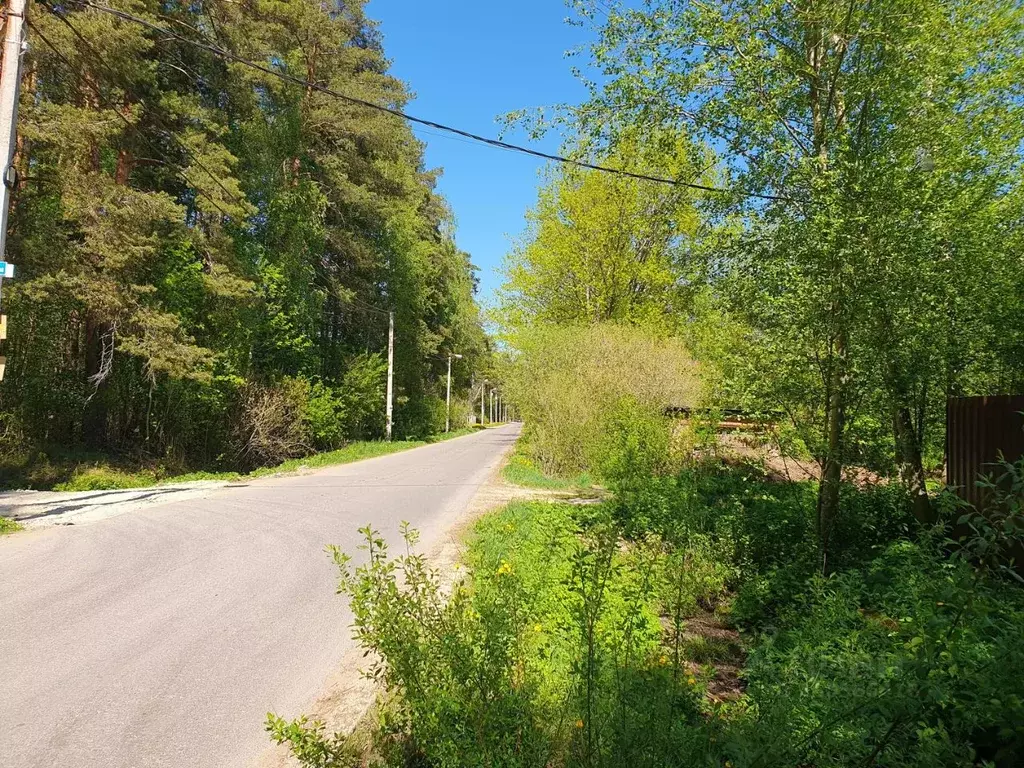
8,526
101,475
207,257
523,471
686,622
862,266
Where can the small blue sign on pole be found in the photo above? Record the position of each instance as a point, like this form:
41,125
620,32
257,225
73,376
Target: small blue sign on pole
6,269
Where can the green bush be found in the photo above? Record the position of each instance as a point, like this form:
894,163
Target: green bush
102,478
568,644
567,381
633,445
323,416
913,660
362,394
549,652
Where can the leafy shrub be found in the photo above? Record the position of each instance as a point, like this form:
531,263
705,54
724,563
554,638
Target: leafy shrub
764,531
7,525
522,470
421,417
994,537
310,744
101,478
456,662
549,652
567,380
912,661
323,416
362,394
634,443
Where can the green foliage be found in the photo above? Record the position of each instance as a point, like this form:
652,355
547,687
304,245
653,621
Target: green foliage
102,478
913,659
567,382
547,651
310,745
634,443
605,248
566,644
196,259
323,414
995,535
521,470
8,526
878,275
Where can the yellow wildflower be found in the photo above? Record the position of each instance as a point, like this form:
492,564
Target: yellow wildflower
504,568
537,627
691,680
663,660
579,723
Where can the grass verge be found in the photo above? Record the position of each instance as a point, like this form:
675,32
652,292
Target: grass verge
100,475
8,526
522,471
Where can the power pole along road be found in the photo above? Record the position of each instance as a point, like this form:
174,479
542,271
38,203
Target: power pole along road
162,637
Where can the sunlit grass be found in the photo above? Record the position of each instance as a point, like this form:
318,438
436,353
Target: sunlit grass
8,526
103,477
521,471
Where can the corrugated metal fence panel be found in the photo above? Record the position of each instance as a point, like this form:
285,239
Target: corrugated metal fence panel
977,430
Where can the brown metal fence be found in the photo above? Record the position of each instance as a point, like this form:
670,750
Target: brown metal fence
978,429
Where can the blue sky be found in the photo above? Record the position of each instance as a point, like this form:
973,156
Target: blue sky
468,62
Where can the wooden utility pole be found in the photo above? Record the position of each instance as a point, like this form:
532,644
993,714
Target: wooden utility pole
10,86
391,374
448,400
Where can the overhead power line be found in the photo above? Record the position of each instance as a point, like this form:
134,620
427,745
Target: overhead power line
211,46
95,88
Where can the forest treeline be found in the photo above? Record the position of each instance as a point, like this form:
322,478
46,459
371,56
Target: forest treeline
207,253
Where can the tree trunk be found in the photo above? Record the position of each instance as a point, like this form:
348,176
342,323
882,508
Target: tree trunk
97,368
908,459
832,466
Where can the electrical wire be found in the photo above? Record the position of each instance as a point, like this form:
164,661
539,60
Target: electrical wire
180,144
71,67
353,301
215,49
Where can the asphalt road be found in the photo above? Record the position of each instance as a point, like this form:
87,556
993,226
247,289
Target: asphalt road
163,636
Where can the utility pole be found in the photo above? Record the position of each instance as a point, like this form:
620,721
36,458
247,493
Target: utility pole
391,373
448,401
10,87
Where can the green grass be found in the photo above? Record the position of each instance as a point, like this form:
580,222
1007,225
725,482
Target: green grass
101,476
8,526
521,471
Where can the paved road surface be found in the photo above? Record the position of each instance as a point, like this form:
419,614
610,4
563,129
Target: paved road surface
162,637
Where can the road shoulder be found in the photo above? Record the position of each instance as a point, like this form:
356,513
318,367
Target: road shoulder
348,695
